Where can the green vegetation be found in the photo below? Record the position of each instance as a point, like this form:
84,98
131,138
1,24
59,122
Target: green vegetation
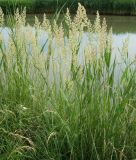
120,7
37,6
112,6
53,107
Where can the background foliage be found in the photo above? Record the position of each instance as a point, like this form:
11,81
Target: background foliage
104,6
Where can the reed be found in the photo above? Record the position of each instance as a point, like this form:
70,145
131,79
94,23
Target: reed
61,98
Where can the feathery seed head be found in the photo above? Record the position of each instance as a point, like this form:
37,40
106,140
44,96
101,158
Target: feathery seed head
125,47
109,39
1,17
97,24
20,18
46,24
68,18
37,23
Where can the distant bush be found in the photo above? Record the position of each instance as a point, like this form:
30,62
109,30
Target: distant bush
104,6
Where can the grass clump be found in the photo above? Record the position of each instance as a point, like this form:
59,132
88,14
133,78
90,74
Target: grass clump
61,96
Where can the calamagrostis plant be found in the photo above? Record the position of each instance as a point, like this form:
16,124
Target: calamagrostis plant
103,38
1,17
97,23
58,46
68,19
46,24
58,99
125,46
37,24
110,39
20,18
81,20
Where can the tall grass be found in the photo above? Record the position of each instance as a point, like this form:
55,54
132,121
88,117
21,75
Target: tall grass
61,99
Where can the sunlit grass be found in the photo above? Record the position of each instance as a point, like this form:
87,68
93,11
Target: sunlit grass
60,96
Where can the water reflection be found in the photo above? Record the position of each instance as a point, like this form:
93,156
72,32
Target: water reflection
118,40
121,24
